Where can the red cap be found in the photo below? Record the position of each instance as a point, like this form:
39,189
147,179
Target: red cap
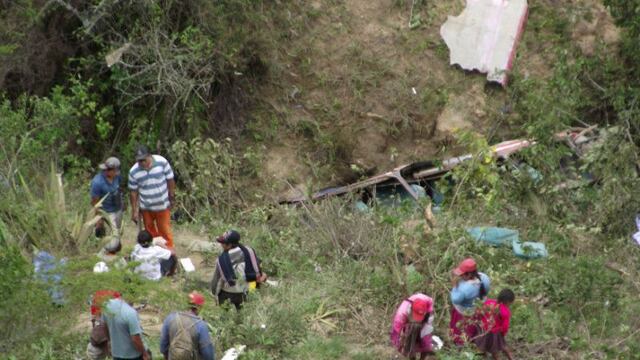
195,298
420,308
100,297
466,266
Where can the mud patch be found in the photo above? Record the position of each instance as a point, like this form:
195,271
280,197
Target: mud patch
462,111
593,25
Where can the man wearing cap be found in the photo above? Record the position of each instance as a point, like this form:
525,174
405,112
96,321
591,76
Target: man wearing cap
185,335
237,270
152,193
412,329
469,285
106,184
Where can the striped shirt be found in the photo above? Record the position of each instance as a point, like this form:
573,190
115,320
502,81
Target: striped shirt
151,184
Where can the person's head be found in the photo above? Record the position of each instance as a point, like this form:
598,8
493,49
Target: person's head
110,167
143,157
145,239
420,309
467,269
229,239
506,297
196,301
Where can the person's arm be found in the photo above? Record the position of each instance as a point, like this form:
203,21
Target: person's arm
163,253
164,337
171,185
137,343
505,317
135,331
133,197
458,294
205,345
399,321
215,280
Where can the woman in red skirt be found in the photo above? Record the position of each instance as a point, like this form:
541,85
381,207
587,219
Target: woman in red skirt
469,286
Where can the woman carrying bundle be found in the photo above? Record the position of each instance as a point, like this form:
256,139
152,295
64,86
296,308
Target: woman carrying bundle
469,285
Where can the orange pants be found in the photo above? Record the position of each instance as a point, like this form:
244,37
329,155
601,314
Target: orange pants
158,223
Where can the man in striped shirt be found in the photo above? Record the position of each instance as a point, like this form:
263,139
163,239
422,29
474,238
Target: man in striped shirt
152,193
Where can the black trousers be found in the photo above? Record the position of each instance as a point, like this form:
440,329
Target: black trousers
235,298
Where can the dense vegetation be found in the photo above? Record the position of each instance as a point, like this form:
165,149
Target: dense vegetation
196,83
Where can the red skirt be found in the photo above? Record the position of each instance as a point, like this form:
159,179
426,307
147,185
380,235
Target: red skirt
463,328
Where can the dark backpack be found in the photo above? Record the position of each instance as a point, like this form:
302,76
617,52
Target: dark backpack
99,335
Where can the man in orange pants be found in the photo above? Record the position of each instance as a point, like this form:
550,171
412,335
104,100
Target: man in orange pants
152,193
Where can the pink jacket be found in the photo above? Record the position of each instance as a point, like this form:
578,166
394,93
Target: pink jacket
495,317
401,318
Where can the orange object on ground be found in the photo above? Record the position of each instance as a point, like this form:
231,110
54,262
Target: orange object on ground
158,223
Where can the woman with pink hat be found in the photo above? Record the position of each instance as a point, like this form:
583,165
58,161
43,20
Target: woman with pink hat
413,326
469,285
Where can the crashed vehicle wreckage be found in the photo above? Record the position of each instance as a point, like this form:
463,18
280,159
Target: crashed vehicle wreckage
412,178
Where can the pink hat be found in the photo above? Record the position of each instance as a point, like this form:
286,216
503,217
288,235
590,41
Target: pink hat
466,266
419,308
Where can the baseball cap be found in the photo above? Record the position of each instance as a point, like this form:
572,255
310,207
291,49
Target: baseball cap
229,237
142,152
110,163
466,266
195,298
419,308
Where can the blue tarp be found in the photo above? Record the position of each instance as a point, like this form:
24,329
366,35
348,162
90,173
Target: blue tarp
530,250
496,236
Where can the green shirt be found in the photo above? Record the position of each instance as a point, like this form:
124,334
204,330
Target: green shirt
122,321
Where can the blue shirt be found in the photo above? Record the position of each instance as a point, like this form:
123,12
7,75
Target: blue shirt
200,332
467,291
122,321
151,184
100,186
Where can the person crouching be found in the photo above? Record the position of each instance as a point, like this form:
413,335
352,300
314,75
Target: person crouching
412,328
152,258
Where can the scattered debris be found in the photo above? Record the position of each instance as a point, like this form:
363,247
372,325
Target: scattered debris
234,352
187,265
407,175
100,267
485,35
273,283
437,342
115,56
636,236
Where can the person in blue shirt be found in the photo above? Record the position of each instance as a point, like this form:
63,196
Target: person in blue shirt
469,285
185,335
125,332
106,184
